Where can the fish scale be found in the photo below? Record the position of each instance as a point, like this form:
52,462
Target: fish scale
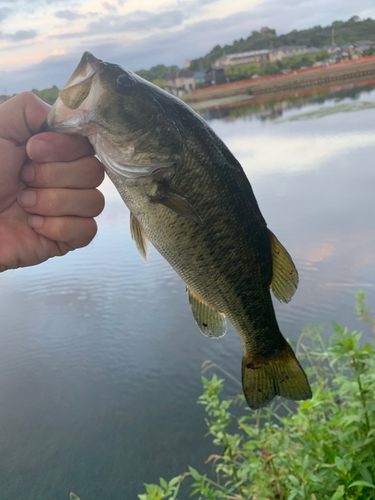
191,199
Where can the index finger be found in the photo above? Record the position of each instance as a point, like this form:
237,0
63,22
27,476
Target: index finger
52,146
21,117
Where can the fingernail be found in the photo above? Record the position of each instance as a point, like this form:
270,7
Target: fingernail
36,221
28,173
39,150
27,198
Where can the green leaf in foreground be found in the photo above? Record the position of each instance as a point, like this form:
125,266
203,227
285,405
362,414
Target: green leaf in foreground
320,449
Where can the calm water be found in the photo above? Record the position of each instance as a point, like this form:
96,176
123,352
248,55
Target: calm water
100,356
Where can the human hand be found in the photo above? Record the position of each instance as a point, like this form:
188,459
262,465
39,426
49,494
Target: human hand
47,187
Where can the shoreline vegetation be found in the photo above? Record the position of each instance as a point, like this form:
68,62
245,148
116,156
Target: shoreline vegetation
319,449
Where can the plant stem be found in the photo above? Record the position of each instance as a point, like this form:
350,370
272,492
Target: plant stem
363,399
234,468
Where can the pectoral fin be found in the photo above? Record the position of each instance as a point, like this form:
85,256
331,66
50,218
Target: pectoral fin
285,275
210,322
139,237
177,203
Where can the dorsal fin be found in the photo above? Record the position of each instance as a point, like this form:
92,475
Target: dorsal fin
210,322
285,275
139,237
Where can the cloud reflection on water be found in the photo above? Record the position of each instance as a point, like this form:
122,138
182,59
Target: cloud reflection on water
288,154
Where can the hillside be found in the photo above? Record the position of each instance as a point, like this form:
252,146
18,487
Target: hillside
318,36
47,95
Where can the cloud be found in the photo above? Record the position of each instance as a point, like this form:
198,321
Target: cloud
177,36
70,15
50,71
19,35
4,13
140,21
109,7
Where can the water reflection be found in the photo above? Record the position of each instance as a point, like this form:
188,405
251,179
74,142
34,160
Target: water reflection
99,354
269,110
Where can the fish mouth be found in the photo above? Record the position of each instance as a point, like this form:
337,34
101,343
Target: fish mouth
71,113
66,121
87,66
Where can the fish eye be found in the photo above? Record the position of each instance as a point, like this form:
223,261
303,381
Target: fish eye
125,84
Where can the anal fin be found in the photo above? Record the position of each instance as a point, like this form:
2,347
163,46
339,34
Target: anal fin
139,237
210,322
284,273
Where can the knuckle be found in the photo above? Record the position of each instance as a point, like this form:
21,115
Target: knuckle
64,248
88,233
98,203
99,171
41,177
25,97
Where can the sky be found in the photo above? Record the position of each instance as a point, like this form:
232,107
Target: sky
41,41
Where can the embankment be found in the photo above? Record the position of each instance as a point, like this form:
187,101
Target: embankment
296,81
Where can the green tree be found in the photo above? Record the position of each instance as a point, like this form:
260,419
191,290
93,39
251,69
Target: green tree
47,95
158,72
241,71
317,36
159,83
271,68
370,51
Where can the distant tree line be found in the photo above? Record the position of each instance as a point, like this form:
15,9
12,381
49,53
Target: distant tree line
157,74
47,95
318,36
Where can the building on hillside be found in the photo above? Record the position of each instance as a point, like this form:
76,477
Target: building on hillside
312,51
330,48
187,63
362,45
199,77
287,51
347,46
180,81
253,56
216,76
339,55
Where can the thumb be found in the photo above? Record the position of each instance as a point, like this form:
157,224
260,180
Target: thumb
21,117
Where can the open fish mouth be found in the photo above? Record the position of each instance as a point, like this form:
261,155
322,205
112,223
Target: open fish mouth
72,111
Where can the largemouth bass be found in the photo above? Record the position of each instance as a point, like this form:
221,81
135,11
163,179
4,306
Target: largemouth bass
191,199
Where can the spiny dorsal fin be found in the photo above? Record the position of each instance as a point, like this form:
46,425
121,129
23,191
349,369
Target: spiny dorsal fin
285,275
139,237
175,202
210,322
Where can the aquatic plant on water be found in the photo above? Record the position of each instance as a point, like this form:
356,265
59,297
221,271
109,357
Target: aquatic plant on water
319,449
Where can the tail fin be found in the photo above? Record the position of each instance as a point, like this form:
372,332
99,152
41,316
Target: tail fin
279,375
